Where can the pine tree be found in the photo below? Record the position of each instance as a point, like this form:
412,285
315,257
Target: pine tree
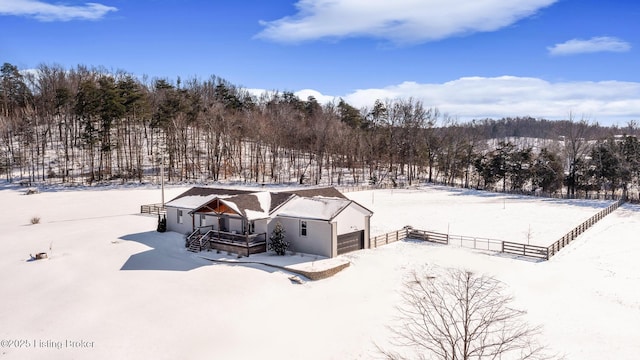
162,223
278,243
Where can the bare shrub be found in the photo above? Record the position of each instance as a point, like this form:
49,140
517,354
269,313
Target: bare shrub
461,315
35,220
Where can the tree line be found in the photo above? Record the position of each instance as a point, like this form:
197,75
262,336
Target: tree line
88,125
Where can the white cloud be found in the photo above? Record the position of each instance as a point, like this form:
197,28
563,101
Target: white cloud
400,21
322,99
608,102
303,94
43,11
596,44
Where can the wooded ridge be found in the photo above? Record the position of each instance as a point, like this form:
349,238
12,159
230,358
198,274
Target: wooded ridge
86,125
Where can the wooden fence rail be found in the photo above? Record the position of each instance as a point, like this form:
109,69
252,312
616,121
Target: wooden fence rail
507,247
388,238
460,240
155,209
533,251
355,188
575,232
429,236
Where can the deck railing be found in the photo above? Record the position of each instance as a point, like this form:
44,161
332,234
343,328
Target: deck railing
242,244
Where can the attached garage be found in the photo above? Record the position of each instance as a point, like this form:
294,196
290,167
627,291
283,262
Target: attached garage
350,242
324,226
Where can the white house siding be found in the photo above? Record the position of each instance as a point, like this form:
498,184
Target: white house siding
211,221
318,240
350,220
235,224
353,218
172,221
261,226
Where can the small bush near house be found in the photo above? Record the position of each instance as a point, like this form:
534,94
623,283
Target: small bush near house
278,243
162,224
35,220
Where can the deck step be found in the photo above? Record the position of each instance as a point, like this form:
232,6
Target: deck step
194,245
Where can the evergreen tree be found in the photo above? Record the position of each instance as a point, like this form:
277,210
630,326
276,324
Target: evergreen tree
162,223
350,115
547,171
277,240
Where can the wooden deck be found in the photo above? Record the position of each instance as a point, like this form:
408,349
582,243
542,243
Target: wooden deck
241,244
242,249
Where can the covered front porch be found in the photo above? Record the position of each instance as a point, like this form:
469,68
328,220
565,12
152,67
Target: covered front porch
224,225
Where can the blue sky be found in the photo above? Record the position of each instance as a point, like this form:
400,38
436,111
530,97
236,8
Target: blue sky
470,59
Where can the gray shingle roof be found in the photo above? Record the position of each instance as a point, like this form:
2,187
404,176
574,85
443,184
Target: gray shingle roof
328,191
247,200
205,191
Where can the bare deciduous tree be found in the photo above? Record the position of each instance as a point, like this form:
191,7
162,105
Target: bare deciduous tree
460,315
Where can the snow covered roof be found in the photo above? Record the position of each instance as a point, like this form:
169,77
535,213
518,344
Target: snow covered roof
314,203
317,207
199,196
252,206
329,192
191,201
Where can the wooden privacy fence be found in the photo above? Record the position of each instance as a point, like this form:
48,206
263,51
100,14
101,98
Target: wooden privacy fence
571,235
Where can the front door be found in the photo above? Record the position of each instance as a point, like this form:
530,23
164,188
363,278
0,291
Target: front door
221,224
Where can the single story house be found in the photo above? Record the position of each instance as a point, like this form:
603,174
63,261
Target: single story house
320,221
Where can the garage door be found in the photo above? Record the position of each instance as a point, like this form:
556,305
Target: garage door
350,242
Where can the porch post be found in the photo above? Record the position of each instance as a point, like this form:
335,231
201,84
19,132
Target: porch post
246,236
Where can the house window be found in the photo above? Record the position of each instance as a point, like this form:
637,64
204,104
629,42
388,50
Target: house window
303,228
203,220
180,217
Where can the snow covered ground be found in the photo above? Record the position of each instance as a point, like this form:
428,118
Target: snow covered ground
537,221
114,288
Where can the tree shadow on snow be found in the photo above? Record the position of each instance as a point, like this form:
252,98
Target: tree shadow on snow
167,253
628,210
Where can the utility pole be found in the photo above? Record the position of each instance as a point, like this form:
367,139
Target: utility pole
162,177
